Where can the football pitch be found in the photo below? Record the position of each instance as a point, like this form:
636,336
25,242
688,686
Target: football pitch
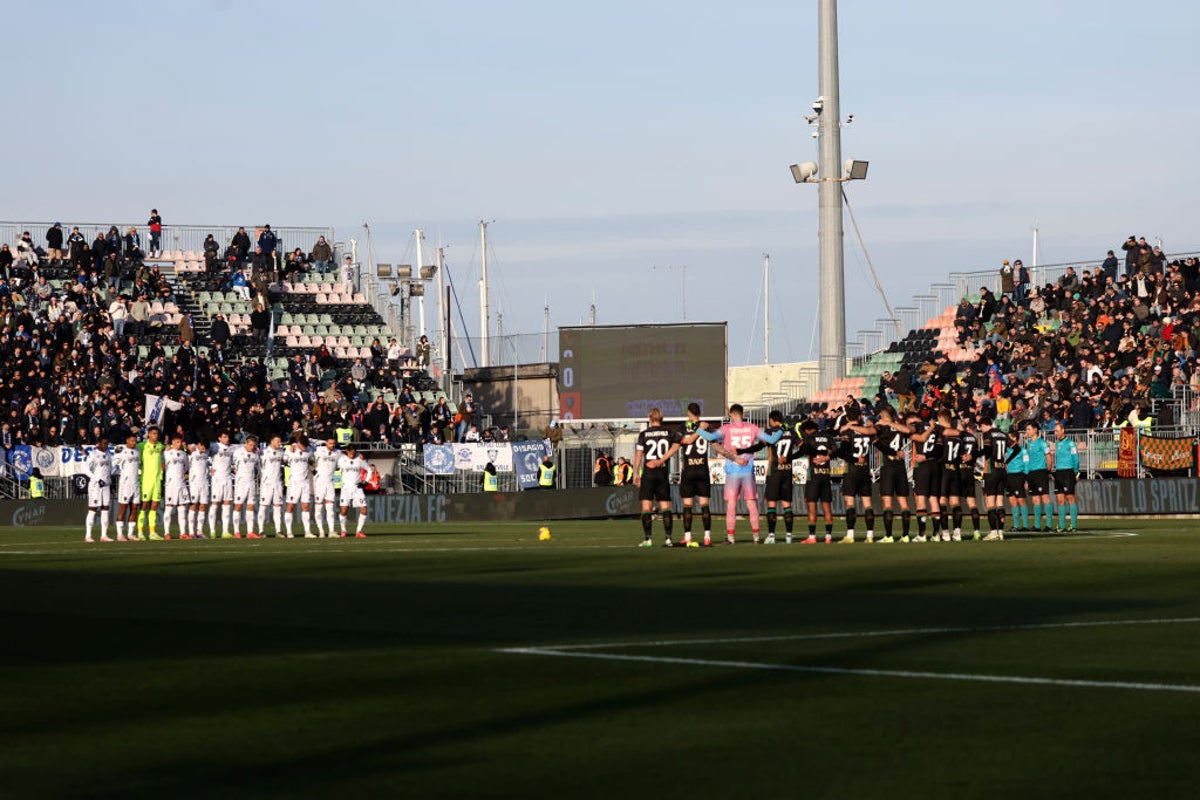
474,661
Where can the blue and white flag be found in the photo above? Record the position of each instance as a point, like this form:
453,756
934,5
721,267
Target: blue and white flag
20,460
526,457
156,407
439,459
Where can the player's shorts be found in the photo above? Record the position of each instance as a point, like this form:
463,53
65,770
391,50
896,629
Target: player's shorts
695,483
778,488
323,492
740,484
927,479
152,493
99,497
893,479
654,487
1039,481
299,495
128,493
994,483
222,490
270,494
819,488
245,494
1015,483
967,482
198,492
1064,481
950,486
857,481
354,496
177,495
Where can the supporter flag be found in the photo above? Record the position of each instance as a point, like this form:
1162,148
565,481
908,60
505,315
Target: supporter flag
1127,453
79,485
1166,454
439,459
20,459
526,456
45,459
156,407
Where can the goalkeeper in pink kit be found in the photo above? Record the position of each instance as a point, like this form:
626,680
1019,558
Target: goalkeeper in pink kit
739,472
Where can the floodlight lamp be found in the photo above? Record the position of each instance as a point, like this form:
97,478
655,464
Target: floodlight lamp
804,173
428,272
404,271
416,290
383,270
856,170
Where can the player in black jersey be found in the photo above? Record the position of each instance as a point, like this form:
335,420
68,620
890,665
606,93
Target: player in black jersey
856,452
994,449
652,453
779,488
891,437
695,480
968,475
927,471
950,495
820,446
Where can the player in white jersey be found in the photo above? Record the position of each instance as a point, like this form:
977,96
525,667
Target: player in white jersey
175,489
222,487
325,462
99,470
299,486
270,487
128,463
354,471
199,481
246,462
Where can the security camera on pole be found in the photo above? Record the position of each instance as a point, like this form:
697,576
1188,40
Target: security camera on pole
827,117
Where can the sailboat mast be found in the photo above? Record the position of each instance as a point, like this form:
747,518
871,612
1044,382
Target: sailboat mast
484,323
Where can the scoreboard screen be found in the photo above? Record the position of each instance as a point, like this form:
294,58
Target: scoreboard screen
622,371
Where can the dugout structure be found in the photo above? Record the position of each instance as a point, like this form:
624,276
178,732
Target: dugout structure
620,372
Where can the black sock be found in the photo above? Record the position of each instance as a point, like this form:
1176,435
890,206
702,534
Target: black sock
668,521
921,522
851,517
687,519
887,520
647,521
771,521
828,528
870,515
812,530
991,519
789,520
906,521
706,518
944,519
957,512
1000,514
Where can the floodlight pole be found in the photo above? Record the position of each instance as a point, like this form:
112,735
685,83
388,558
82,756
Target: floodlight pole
420,234
832,274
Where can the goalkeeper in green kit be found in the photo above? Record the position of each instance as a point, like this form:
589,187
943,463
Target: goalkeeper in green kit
151,451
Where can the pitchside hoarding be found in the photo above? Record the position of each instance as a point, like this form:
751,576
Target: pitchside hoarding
622,371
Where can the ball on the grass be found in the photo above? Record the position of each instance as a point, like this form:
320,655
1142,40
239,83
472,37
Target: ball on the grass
543,534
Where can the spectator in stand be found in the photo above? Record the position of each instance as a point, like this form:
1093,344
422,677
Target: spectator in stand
423,352
240,285
394,352
322,255
260,322
1020,282
133,246
27,256
139,315
118,312
6,262
268,243
1110,266
54,244
212,254
294,265
155,223
240,244
219,332
348,272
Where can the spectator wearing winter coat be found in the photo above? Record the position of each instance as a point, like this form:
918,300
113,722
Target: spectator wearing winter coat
220,330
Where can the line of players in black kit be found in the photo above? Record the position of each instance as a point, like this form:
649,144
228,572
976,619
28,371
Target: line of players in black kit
949,459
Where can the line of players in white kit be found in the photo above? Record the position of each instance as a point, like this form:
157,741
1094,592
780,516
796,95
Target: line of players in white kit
198,483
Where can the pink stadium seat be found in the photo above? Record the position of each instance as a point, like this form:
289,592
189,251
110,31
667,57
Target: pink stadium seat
364,352
322,299
317,341
292,341
360,299
343,342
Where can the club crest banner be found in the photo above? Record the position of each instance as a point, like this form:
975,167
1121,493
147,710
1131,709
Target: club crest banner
474,456
439,459
1159,453
526,456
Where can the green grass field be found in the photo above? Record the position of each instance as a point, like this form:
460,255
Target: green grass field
473,661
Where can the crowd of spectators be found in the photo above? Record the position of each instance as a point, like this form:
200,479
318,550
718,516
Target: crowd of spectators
1090,349
79,359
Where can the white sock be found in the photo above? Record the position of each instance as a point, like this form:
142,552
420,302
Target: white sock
304,521
212,519
362,520
342,517
120,528
226,517
319,518
277,516
89,524
104,522
288,517
331,513
237,522
262,519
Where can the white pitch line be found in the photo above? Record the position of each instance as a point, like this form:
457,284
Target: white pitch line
867,634
879,673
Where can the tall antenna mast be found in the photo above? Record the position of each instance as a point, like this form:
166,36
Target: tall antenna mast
484,322
766,308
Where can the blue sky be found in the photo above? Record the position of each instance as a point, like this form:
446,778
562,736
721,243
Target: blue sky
607,139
